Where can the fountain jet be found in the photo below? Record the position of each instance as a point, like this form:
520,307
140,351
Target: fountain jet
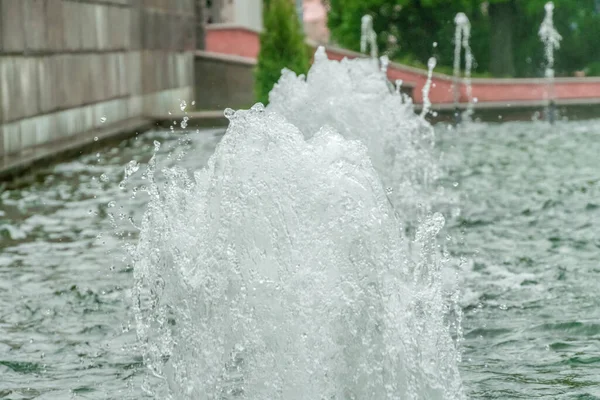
551,40
284,270
368,36
461,39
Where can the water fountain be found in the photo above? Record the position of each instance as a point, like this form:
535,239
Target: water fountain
431,63
368,37
551,40
461,39
284,270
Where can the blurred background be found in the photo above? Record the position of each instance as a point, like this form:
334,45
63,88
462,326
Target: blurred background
71,67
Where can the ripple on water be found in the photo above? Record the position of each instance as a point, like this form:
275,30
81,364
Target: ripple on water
64,308
534,247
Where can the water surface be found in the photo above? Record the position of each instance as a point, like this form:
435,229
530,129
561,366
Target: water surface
528,232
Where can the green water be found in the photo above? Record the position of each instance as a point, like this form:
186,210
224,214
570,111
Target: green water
528,232
531,229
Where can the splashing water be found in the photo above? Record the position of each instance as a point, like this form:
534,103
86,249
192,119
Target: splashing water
431,63
368,36
462,36
384,62
353,97
282,270
551,40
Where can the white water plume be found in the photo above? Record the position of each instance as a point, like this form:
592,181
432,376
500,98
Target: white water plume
431,63
368,36
551,40
354,98
550,37
462,36
282,270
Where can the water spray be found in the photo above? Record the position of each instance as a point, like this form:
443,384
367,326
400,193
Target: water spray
461,39
368,36
551,39
431,63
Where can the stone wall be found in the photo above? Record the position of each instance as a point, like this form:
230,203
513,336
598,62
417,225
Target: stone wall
223,81
71,66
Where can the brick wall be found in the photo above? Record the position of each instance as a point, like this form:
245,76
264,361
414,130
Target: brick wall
67,64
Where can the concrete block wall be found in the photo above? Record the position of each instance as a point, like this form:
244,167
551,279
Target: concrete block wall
67,64
224,81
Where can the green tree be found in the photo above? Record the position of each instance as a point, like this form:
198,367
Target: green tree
281,46
504,37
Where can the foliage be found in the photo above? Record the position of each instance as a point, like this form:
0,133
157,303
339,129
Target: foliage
281,46
408,28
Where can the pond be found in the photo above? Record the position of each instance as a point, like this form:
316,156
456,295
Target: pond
527,232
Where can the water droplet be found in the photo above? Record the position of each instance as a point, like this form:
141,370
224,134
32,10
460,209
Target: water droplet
131,168
503,307
156,145
194,102
112,204
184,122
229,113
438,220
258,107
96,139
435,44
455,184
183,105
103,119
104,178
431,63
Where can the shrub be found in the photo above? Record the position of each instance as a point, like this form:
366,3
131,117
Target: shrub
281,46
